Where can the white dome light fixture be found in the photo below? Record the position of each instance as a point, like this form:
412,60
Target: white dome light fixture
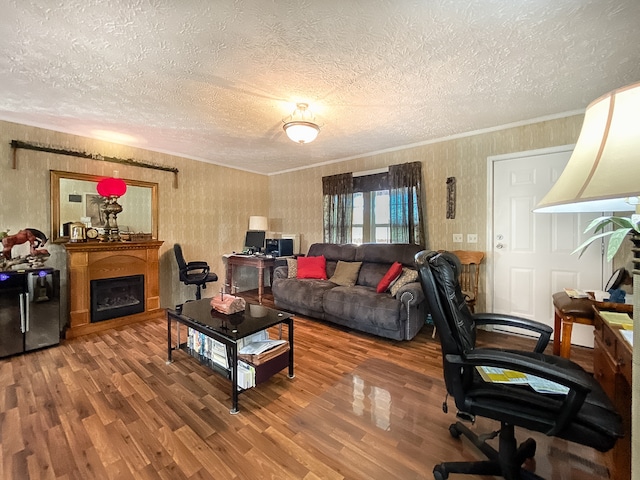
300,126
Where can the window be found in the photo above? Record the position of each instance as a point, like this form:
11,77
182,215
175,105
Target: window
371,217
377,208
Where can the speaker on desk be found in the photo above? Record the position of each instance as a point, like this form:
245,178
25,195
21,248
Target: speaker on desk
279,247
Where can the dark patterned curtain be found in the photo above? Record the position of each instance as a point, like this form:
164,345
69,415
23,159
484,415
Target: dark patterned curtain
405,191
337,191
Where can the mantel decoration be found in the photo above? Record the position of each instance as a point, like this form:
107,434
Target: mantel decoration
16,144
603,175
301,126
29,251
112,188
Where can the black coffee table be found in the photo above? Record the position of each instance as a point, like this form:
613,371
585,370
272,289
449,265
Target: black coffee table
229,330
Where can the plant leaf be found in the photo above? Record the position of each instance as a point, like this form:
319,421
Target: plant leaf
616,240
590,240
598,224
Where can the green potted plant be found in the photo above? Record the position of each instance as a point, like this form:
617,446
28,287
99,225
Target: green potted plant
623,226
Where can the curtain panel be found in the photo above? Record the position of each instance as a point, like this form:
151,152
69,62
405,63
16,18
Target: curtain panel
337,193
405,191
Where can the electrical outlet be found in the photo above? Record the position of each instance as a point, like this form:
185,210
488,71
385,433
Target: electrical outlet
472,238
457,238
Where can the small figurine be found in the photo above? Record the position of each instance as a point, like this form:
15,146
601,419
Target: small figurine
36,239
31,243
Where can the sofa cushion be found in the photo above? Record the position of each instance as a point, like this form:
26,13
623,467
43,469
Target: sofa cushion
333,253
371,274
387,253
292,268
306,292
394,272
346,273
408,275
359,305
312,267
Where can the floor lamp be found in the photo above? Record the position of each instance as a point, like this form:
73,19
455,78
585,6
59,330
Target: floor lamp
603,175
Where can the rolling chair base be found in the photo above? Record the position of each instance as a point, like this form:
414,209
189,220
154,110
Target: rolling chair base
506,463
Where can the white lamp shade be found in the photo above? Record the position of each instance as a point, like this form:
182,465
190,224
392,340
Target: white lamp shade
258,223
604,168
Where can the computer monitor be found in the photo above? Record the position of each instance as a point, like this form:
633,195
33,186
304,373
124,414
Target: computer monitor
254,240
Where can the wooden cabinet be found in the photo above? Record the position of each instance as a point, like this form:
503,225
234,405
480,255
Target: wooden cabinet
612,369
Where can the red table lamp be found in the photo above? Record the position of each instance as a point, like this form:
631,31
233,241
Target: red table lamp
112,188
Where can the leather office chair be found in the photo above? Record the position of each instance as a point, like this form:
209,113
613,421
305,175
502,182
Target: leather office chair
193,273
469,275
584,415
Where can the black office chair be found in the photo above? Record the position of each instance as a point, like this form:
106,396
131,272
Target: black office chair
193,273
584,415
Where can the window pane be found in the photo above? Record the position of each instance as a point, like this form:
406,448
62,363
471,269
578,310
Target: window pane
382,234
358,209
356,235
381,212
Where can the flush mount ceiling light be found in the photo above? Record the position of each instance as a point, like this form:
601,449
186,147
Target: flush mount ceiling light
300,126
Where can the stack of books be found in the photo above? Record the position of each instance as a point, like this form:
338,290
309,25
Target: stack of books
252,352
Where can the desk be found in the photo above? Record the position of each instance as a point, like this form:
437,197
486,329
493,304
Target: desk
258,262
612,356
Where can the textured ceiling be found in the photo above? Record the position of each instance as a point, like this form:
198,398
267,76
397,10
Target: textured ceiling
211,80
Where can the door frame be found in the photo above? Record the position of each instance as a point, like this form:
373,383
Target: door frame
491,160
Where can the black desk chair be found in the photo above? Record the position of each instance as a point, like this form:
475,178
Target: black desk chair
193,273
584,415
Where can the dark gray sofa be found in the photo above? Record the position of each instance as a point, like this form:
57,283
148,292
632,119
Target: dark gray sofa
358,307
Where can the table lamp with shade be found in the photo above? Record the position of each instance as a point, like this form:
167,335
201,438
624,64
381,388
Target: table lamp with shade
603,175
111,188
258,223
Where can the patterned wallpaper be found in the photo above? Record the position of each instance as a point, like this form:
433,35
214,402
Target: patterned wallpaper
208,211
296,196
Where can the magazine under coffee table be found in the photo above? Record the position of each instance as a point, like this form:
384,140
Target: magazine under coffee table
230,330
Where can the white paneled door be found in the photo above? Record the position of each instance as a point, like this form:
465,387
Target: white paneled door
531,252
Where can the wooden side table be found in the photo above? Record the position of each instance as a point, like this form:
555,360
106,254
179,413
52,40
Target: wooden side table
258,262
567,312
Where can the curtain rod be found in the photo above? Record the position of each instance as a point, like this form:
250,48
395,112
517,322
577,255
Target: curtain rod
15,144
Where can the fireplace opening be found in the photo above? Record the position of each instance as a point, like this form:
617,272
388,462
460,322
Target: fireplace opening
116,297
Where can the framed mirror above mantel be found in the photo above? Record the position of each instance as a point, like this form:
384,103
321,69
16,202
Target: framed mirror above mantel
74,198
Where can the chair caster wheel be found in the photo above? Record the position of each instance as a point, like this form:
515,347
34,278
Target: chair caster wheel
439,473
453,430
528,448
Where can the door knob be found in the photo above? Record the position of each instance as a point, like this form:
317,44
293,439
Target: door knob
499,246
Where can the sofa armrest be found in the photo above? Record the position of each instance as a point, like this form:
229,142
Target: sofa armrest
411,294
280,272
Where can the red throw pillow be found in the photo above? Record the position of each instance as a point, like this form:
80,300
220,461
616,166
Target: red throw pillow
394,272
312,267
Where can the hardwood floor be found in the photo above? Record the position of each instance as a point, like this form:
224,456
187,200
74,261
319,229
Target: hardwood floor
107,406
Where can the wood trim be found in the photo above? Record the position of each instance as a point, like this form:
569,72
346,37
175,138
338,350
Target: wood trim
95,260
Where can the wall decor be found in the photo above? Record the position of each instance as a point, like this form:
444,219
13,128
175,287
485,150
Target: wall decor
16,144
451,197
